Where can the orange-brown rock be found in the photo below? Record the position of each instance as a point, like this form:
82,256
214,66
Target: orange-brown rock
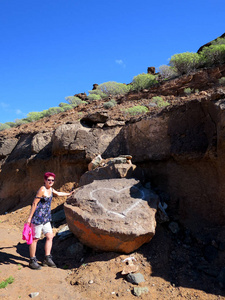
112,215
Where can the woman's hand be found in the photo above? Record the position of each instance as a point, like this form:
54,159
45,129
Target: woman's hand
29,221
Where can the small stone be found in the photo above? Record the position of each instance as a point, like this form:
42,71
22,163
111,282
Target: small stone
33,295
90,281
130,267
138,291
135,278
65,228
63,235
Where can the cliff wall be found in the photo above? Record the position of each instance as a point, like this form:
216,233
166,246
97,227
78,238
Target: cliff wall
179,149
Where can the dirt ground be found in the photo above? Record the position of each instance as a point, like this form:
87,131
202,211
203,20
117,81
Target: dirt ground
171,266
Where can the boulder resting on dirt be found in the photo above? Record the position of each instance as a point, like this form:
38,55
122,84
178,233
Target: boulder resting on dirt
112,215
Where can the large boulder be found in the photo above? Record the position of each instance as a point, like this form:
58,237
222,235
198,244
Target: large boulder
112,215
82,141
6,146
40,141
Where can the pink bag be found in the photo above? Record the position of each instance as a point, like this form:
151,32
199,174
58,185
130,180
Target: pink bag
27,234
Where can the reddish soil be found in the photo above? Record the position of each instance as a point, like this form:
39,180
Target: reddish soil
169,266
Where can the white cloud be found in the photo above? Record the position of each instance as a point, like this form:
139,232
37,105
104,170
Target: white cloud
4,105
120,62
6,109
19,112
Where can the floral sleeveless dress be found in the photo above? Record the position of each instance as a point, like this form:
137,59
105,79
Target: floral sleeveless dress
42,214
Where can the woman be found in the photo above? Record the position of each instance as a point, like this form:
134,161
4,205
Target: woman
39,219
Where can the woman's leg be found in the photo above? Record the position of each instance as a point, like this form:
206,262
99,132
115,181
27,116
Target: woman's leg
48,247
33,264
48,243
33,248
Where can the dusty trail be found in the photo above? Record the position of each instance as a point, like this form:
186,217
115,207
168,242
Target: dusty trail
49,282
99,274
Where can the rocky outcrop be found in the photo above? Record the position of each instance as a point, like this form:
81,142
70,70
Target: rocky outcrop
112,215
151,70
7,146
118,167
210,43
180,150
200,80
65,151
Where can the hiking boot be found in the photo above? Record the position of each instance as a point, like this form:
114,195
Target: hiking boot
49,262
33,264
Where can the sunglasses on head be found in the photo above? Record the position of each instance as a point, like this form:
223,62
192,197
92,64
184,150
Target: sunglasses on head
51,180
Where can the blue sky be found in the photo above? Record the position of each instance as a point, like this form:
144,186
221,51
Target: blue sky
51,49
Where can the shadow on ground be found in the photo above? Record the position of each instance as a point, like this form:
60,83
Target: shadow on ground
182,260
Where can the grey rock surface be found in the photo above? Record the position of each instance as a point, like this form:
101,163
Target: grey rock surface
112,215
135,278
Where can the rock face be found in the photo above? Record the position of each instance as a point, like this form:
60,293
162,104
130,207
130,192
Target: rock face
112,215
180,150
65,151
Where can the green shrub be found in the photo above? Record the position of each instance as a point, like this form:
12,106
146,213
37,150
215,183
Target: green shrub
167,72
73,100
33,116
213,55
218,41
84,102
137,110
93,97
112,88
98,92
222,81
52,111
19,122
184,63
62,104
143,81
4,283
11,124
159,101
67,107
4,126
188,91
109,104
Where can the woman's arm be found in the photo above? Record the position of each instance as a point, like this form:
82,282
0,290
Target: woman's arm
61,193
37,198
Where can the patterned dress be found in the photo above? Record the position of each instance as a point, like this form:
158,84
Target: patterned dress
42,214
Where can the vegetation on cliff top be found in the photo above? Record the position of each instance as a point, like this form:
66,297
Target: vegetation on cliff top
179,64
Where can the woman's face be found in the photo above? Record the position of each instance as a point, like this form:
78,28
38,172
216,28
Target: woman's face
50,181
